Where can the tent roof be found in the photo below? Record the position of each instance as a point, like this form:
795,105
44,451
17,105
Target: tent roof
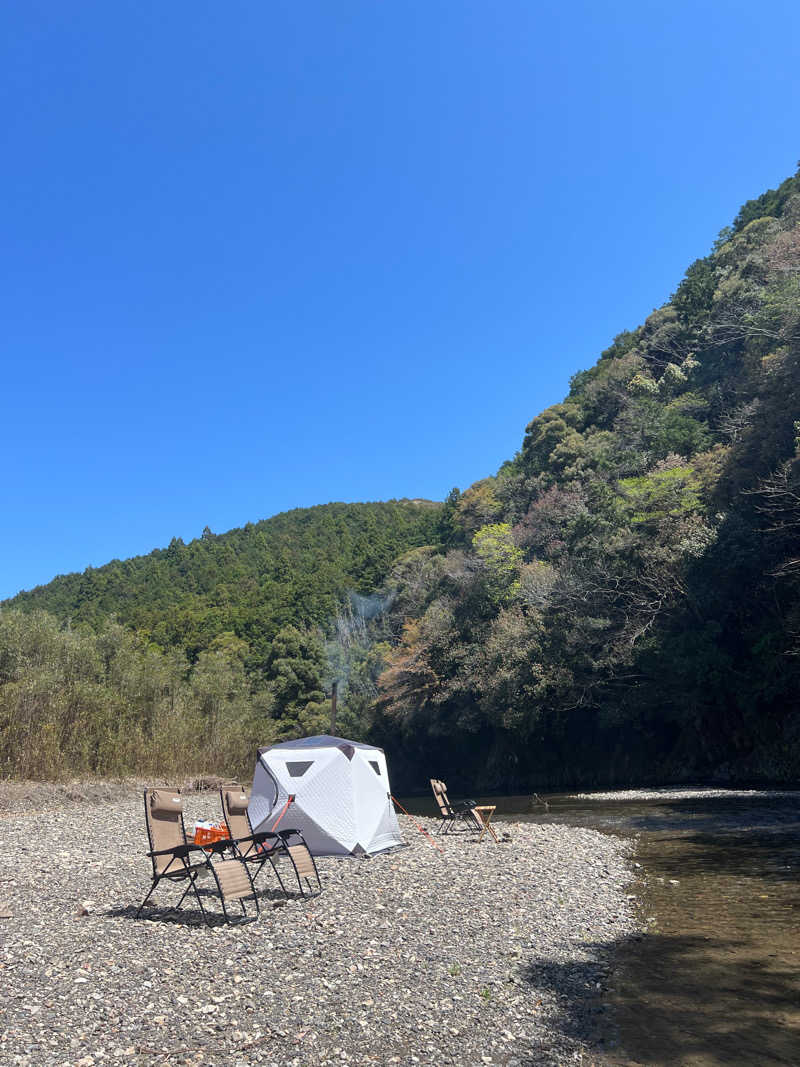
319,741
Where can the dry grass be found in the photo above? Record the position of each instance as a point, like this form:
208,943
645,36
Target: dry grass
24,797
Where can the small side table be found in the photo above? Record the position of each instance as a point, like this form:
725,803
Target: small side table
485,813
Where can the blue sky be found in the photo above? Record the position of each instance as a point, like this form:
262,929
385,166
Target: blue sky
265,255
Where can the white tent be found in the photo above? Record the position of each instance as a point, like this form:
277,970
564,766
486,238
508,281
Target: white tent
341,795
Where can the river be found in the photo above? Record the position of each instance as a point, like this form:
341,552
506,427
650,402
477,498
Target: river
716,978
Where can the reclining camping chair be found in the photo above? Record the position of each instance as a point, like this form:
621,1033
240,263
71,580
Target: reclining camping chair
461,811
252,848
266,845
175,859
303,862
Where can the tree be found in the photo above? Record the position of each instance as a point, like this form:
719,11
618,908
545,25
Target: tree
494,546
477,506
294,671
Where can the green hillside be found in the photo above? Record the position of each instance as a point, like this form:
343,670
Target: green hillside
622,600
188,659
293,568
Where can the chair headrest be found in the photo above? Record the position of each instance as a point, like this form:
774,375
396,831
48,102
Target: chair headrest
236,801
165,802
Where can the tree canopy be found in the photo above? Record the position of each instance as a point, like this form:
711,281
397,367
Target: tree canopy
622,600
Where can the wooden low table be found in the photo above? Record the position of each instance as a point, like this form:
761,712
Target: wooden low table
485,813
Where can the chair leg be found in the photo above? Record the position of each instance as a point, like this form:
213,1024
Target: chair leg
192,886
316,872
255,900
261,867
186,892
149,894
193,880
300,880
278,876
307,880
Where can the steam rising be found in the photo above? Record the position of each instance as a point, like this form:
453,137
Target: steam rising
355,629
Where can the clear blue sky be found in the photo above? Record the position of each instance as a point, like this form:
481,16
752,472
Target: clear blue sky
260,255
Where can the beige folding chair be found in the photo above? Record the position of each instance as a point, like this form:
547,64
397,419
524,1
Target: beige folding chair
266,845
175,859
304,864
255,849
462,811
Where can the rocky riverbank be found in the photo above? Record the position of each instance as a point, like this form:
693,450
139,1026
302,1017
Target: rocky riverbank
670,793
456,954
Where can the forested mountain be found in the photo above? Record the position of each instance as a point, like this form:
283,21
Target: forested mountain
189,658
622,600
619,603
294,568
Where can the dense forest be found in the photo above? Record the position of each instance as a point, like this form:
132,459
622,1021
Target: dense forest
292,569
619,603
190,657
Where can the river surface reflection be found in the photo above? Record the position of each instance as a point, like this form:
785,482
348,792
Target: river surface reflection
716,980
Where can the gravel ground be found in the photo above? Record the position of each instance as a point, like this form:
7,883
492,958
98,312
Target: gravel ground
490,954
696,793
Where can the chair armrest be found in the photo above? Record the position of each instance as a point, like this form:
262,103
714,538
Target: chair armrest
218,846
290,832
264,835
176,850
247,837
256,843
259,837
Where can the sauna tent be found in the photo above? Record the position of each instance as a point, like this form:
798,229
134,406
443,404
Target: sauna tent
341,797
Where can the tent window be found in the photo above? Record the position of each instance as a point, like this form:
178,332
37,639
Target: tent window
375,767
297,770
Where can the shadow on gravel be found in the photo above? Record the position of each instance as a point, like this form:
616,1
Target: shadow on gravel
184,917
187,916
577,987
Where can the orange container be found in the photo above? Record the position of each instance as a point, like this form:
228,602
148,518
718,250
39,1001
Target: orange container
205,834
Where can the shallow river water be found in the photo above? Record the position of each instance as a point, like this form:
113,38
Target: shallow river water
716,979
